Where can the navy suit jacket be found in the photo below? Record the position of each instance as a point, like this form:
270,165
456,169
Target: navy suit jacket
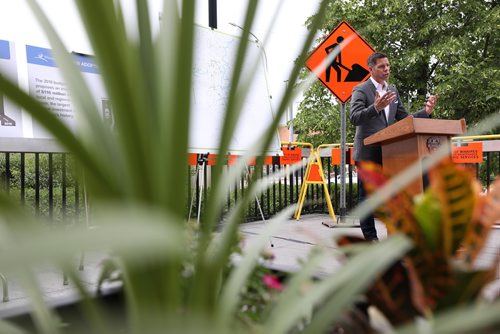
368,121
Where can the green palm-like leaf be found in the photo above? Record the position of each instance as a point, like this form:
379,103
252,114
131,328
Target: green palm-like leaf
462,319
333,292
6,327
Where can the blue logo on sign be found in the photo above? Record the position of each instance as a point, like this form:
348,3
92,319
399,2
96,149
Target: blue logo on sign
39,56
4,49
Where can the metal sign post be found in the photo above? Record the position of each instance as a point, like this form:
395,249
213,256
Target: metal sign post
342,216
342,204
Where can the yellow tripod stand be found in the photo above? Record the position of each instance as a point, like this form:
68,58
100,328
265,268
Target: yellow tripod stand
314,175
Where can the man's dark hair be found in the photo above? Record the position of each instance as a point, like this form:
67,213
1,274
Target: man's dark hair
372,60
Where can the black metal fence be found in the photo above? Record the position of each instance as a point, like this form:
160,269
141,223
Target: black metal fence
284,191
45,184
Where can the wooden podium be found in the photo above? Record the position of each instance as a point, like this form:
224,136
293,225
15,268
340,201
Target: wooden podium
412,139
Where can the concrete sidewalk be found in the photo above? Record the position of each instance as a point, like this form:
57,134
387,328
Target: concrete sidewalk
294,240
55,289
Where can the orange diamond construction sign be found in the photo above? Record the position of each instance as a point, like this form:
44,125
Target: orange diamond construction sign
348,67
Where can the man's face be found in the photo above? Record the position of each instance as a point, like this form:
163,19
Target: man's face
380,72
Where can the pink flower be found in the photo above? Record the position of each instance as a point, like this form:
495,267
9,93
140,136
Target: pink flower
272,282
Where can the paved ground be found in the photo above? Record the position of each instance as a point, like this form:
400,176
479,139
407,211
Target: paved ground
292,243
52,285
295,239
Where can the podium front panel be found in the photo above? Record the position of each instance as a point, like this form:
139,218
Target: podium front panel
397,156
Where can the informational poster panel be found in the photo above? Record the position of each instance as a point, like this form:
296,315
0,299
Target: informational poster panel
46,85
10,113
214,58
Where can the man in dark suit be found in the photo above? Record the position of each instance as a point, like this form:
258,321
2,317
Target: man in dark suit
374,106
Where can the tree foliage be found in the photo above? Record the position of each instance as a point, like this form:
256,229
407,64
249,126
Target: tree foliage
444,47
319,117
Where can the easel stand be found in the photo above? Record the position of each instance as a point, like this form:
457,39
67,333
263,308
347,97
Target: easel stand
314,175
259,206
200,178
202,162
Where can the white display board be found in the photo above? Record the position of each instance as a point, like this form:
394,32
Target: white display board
214,57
